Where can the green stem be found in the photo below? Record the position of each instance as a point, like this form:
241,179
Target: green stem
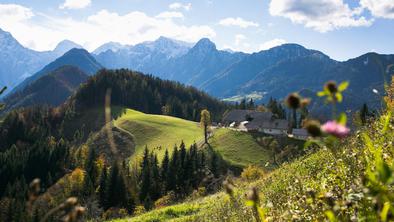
294,118
334,109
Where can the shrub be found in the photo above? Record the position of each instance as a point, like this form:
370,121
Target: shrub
165,200
113,213
252,173
139,210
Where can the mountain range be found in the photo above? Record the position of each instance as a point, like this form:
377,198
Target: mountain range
51,89
269,73
221,73
18,62
75,57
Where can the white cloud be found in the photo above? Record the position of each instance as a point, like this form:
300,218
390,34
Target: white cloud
240,22
322,15
239,38
75,4
169,15
178,5
379,8
99,28
10,13
240,44
272,43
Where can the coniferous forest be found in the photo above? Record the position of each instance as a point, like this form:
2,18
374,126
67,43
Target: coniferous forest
39,143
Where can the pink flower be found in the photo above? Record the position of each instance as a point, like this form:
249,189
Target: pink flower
335,129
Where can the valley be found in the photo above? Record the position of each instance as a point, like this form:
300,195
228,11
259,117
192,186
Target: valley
196,111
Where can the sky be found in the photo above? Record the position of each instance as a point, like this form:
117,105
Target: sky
342,29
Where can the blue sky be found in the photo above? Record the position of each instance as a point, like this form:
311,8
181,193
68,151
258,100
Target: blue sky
340,28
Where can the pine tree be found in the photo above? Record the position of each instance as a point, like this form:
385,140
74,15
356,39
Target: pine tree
276,108
242,105
90,165
164,170
364,113
193,166
88,187
114,187
182,178
145,176
251,104
102,192
155,178
173,170
214,164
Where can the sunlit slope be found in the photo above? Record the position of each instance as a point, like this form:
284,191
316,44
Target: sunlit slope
298,190
155,131
239,148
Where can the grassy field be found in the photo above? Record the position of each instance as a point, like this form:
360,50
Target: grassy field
157,131
239,148
311,188
188,211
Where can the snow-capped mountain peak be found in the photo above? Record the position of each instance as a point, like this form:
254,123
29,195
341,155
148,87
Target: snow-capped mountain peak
113,46
65,46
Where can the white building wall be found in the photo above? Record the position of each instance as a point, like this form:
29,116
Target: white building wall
273,131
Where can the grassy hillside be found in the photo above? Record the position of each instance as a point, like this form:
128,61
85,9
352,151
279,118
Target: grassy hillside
239,148
351,181
157,131
242,149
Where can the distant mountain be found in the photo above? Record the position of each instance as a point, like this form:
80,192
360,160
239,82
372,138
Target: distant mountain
272,73
113,46
65,46
364,73
233,80
51,89
148,57
200,63
18,62
75,57
172,59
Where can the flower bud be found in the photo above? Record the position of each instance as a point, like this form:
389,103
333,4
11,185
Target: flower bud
293,101
313,128
331,86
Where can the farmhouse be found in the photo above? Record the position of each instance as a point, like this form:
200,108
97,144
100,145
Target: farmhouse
237,116
274,127
254,121
300,134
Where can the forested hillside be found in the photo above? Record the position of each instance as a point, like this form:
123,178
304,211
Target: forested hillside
145,93
54,145
51,89
79,58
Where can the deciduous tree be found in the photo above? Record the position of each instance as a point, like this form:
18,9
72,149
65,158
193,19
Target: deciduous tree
205,123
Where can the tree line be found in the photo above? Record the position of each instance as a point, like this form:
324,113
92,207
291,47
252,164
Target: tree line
146,93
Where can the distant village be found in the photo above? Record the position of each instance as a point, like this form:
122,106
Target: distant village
264,122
